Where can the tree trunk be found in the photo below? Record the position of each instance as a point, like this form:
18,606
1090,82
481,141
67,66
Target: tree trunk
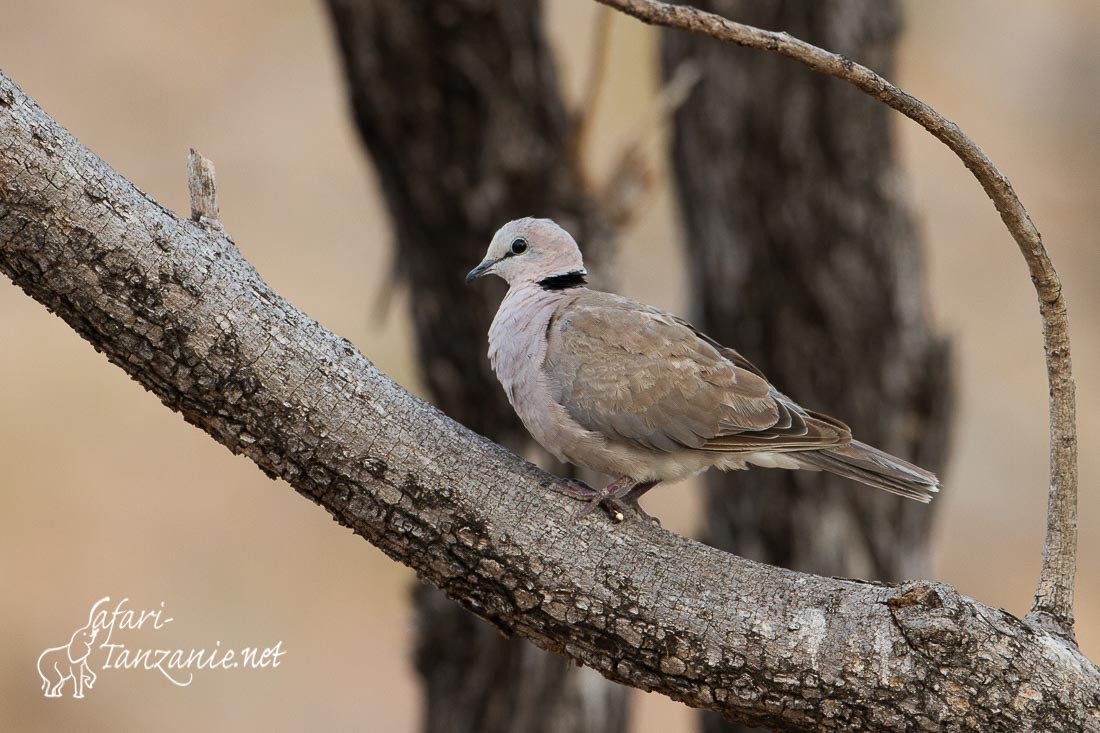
458,105
804,256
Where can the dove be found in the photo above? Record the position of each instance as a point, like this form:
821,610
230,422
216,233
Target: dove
630,391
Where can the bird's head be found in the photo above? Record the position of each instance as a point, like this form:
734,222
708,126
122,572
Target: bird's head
532,251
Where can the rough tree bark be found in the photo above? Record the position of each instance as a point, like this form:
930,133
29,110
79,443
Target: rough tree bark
175,305
458,105
803,253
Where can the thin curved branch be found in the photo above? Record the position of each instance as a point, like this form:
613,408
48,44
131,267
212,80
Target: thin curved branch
1053,604
176,305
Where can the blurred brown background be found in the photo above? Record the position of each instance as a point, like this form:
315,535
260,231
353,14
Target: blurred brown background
104,492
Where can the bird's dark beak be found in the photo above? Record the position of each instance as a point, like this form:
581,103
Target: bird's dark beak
480,270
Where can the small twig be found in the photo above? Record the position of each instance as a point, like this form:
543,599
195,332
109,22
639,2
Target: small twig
585,111
395,275
1053,604
626,188
203,190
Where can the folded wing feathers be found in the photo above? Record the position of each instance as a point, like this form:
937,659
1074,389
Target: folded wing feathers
640,375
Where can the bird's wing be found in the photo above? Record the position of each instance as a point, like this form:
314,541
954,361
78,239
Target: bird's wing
639,375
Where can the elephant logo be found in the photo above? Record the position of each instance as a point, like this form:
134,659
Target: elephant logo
59,664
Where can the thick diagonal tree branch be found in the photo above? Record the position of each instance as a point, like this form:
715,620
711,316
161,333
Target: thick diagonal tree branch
1053,604
177,307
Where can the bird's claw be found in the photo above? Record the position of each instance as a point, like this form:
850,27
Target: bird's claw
646,516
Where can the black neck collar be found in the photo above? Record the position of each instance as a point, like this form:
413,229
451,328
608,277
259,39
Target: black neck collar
574,279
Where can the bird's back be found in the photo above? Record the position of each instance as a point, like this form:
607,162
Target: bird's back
638,374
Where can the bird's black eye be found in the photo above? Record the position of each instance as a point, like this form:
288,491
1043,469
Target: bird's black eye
519,246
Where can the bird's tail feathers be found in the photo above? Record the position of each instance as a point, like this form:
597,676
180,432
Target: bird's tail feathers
868,465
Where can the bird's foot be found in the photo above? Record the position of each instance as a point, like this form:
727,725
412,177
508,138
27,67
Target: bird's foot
609,498
646,516
614,507
593,499
634,493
